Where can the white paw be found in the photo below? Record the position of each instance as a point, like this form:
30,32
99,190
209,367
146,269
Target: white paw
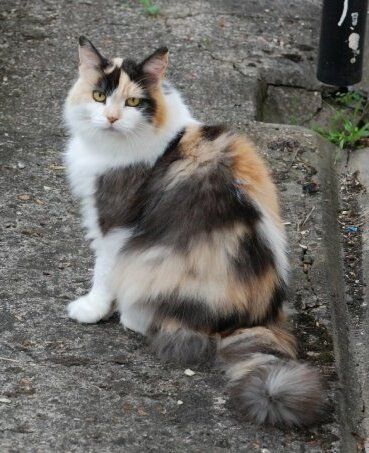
88,309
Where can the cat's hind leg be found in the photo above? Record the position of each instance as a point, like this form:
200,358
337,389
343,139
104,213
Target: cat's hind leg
176,343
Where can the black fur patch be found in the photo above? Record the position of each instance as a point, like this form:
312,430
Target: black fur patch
213,132
254,257
148,107
131,68
197,315
183,346
109,82
275,304
116,196
207,201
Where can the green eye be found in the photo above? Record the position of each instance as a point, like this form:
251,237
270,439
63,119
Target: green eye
99,96
133,102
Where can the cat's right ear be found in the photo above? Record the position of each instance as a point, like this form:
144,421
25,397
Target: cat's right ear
89,56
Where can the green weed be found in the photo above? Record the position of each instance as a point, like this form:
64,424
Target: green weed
344,128
347,137
149,8
351,99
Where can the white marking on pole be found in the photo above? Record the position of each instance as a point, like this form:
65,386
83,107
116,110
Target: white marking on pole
344,13
354,17
353,41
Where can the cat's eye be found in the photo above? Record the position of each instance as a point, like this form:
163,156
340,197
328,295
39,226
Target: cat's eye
133,102
99,96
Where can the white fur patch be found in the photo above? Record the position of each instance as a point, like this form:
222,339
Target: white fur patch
276,240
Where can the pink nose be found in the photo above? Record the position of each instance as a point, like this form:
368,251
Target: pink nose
112,119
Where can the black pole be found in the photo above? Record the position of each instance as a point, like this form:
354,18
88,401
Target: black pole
342,38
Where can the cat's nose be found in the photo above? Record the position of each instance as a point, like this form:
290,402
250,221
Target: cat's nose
112,118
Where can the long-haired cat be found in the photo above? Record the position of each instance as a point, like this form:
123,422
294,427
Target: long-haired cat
184,222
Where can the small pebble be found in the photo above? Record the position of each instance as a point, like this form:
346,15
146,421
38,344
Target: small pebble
189,372
179,402
5,400
24,197
219,400
21,165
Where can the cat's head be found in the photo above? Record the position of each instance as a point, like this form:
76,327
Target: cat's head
116,97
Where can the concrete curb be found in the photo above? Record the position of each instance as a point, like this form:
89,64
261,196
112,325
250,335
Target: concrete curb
351,368
359,162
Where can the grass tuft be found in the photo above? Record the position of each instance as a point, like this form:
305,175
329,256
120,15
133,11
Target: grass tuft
345,128
150,9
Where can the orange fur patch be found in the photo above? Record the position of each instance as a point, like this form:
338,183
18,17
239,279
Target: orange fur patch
161,109
127,88
264,337
253,175
252,296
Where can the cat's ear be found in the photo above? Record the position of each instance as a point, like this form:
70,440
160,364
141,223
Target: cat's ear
89,56
155,65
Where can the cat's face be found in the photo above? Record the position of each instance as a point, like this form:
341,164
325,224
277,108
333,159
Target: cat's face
116,97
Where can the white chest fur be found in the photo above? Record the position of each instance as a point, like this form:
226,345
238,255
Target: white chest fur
83,170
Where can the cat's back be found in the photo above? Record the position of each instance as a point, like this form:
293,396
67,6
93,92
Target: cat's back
209,180
212,161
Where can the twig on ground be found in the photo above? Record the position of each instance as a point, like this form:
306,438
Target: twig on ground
8,360
307,217
293,159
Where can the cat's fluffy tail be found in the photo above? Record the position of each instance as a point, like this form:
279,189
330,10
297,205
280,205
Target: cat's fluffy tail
266,383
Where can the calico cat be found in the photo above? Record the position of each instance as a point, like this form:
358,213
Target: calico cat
184,222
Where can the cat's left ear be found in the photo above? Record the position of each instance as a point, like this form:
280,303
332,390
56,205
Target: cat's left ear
155,65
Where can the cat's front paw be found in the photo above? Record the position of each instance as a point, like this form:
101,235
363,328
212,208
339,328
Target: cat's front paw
88,309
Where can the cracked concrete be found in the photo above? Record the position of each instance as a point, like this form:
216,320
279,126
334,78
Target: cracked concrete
68,387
